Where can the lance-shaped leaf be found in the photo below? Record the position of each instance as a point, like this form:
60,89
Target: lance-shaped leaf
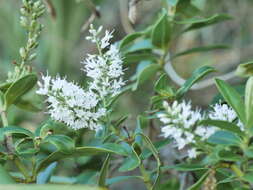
223,125
44,176
224,138
19,88
161,33
104,172
249,103
79,152
245,69
61,142
196,23
196,76
198,184
201,49
233,98
15,130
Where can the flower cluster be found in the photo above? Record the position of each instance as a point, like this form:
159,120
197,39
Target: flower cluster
105,69
179,119
79,108
70,104
180,123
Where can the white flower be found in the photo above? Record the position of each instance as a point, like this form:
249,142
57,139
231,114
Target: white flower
222,112
225,113
105,69
179,120
79,108
70,104
192,153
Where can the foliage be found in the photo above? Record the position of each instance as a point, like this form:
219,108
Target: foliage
215,144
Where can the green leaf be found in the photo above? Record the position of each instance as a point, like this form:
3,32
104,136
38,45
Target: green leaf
132,161
232,98
5,86
146,74
135,57
26,105
162,86
201,49
197,75
140,45
248,177
184,167
224,125
229,156
224,138
5,177
119,179
78,152
19,88
130,39
15,130
44,176
1,99
199,183
245,69
161,33
63,143
196,23
154,151
104,172
249,103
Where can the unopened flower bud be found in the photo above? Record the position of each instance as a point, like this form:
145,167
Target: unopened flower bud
22,52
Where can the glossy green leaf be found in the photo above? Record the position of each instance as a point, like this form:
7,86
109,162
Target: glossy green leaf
104,172
5,177
135,57
249,103
197,75
140,45
198,184
224,125
245,69
196,23
224,138
145,74
130,39
184,167
15,130
232,98
19,88
161,33
132,161
44,176
162,86
63,143
79,152
201,49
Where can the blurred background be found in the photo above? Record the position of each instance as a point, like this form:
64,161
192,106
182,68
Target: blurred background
63,45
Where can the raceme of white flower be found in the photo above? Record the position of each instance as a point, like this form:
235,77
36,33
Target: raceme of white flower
180,123
105,69
225,113
70,104
79,108
179,120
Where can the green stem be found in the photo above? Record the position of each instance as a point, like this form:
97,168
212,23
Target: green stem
8,137
22,168
146,177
